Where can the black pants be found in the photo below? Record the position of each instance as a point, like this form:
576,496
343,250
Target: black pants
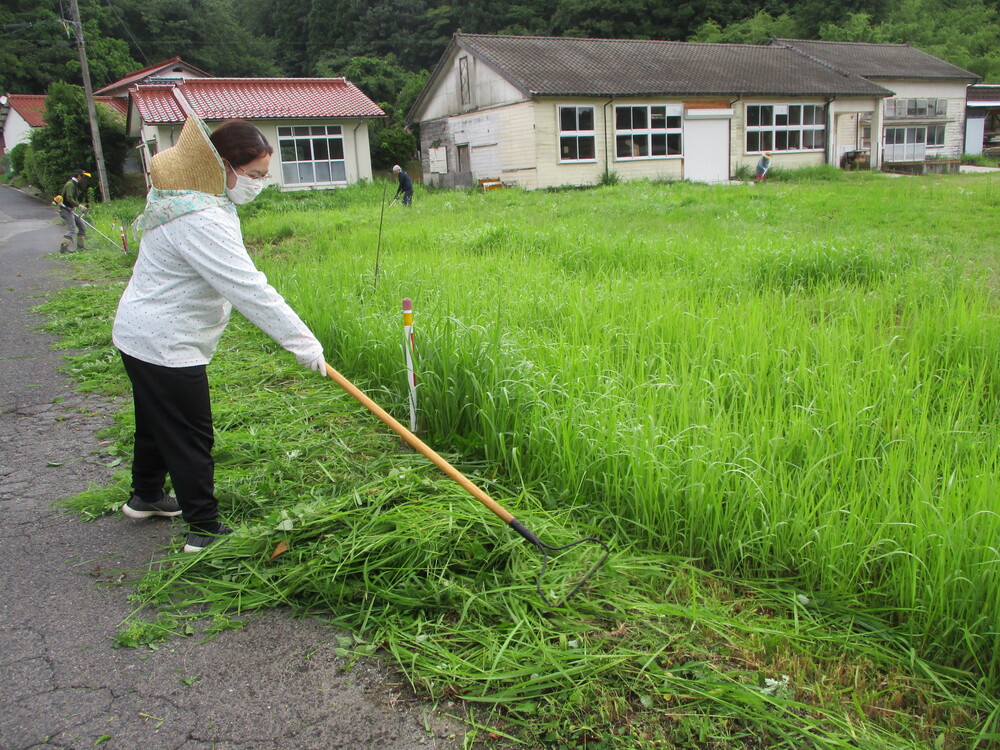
173,435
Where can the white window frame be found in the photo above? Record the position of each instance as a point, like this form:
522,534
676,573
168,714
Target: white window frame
464,86
785,128
647,124
577,135
908,143
305,141
915,109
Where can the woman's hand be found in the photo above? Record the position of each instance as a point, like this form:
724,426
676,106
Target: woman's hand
318,365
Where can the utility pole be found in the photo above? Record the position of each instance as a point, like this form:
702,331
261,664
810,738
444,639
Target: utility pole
95,130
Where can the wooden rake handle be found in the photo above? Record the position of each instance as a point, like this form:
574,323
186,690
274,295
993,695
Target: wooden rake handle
421,447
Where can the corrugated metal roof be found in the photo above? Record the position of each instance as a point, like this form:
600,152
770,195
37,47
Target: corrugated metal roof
565,66
879,60
983,93
254,99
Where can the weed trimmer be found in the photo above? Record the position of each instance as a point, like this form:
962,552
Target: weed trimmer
378,249
117,245
502,513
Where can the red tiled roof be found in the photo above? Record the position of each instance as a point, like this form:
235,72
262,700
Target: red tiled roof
30,106
254,99
146,72
117,104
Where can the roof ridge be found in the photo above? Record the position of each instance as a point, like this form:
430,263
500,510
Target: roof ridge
819,60
613,39
834,41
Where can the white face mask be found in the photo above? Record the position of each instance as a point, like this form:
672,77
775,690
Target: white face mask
245,189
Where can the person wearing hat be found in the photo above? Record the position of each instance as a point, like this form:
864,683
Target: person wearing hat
405,185
763,165
192,268
73,193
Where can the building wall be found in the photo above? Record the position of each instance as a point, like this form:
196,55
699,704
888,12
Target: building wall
739,154
954,121
490,144
486,89
357,156
15,129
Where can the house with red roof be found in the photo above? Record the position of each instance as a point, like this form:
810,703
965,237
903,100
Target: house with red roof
22,113
317,126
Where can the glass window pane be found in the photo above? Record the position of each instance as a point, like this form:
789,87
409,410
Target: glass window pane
659,144
793,139
819,139
767,116
300,130
303,151
567,118
781,138
320,149
623,118
674,121
322,171
795,115
586,118
284,131
658,117
287,149
586,146
289,174
766,141
673,143
781,121
623,146
305,173
753,141
339,172
337,148
753,116
567,149
318,130
335,130
640,117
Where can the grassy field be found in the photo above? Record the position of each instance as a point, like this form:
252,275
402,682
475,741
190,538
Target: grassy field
777,403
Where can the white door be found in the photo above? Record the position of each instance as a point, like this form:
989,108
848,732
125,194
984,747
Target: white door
706,150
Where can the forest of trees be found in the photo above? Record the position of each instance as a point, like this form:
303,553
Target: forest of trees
387,48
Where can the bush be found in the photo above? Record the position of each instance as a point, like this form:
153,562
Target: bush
64,144
17,155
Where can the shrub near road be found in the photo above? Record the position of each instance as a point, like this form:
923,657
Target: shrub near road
777,403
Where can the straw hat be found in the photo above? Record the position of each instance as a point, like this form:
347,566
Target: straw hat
190,164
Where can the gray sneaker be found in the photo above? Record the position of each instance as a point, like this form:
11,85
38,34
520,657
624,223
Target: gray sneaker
166,506
197,540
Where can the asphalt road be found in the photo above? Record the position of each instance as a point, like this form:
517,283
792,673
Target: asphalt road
275,683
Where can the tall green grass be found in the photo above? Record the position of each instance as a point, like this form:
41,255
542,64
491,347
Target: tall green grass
775,402
791,380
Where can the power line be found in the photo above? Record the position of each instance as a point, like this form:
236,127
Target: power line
127,31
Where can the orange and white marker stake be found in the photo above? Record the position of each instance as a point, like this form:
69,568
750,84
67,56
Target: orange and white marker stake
409,345
124,241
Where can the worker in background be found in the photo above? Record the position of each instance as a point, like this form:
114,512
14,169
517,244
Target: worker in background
763,165
73,194
405,185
